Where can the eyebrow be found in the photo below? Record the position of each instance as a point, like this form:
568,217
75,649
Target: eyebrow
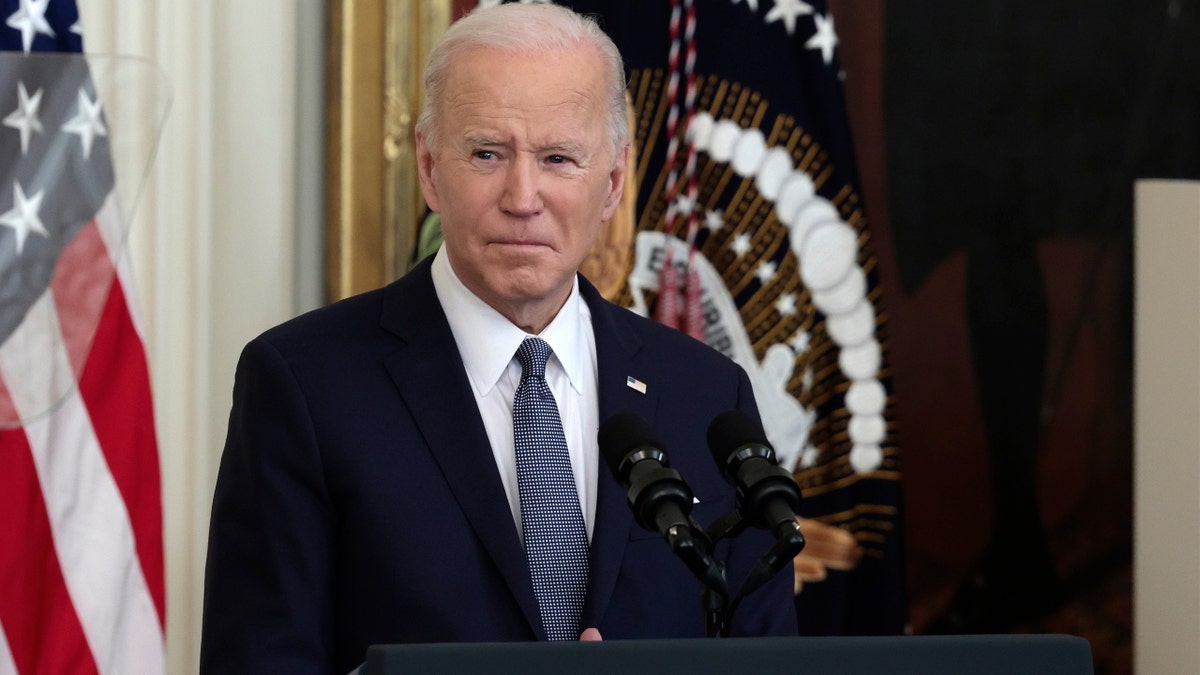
565,147
475,141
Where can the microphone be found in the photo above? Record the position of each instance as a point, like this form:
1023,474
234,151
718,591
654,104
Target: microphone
662,503
767,494
660,499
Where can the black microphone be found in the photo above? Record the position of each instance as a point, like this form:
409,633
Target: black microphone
660,499
662,503
767,494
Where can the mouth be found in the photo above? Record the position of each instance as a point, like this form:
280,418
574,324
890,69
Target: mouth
522,244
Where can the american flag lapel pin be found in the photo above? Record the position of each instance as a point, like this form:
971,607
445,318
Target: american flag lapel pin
635,384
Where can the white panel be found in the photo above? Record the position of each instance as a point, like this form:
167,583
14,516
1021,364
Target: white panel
1167,424
182,310
310,154
254,135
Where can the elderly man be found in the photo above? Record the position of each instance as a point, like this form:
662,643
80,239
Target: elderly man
420,463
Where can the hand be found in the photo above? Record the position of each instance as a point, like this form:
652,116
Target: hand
590,635
826,547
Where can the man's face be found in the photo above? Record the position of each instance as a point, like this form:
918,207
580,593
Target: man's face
523,175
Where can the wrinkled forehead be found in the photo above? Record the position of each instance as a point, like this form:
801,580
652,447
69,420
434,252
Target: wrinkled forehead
526,70
555,91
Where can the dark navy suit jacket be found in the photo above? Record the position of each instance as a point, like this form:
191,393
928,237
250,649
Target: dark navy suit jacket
358,501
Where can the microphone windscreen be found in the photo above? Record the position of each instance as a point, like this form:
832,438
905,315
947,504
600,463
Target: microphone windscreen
621,434
732,430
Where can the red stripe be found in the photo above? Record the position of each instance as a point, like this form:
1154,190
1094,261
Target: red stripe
39,621
115,386
82,278
8,410
116,390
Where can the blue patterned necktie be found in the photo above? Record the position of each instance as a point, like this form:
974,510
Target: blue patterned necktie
555,539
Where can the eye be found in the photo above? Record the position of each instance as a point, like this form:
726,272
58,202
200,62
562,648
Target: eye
557,159
484,154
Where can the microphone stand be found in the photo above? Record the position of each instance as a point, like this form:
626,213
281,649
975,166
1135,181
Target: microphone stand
692,545
789,542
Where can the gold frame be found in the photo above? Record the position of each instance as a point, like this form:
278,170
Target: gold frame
377,52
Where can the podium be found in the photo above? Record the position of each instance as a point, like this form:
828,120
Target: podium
891,655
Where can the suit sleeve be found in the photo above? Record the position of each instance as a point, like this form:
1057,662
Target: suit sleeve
267,586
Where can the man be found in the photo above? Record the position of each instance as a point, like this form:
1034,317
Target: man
373,489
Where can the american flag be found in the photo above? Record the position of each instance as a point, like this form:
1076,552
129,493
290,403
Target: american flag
81,551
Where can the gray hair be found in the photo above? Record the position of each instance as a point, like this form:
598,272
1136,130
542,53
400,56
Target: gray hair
525,28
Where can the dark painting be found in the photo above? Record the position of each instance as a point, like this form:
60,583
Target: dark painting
1013,134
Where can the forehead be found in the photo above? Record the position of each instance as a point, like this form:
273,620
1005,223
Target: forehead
548,92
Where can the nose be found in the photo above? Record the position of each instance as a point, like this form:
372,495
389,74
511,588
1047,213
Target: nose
522,191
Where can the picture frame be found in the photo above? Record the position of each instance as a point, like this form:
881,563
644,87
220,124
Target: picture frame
377,51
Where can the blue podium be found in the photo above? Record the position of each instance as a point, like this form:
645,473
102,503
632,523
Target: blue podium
892,655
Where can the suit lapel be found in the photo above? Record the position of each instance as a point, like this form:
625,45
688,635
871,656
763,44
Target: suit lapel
616,346
432,380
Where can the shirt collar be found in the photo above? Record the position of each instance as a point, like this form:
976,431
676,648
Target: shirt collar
488,341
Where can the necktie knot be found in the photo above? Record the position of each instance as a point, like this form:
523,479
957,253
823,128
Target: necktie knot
533,354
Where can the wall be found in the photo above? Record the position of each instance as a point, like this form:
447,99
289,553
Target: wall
1167,410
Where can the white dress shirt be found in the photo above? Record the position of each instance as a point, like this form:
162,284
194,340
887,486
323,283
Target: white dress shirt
488,345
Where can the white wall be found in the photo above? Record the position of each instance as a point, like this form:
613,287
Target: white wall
225,217
1167,428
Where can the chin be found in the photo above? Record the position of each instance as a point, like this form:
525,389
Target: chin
517,286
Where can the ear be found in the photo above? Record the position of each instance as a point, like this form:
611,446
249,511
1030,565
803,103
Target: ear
616,183
425,165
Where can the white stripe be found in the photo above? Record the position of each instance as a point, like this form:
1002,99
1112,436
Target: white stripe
88,520
113,233
7,665
29,361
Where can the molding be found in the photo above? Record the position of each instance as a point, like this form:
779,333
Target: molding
376,53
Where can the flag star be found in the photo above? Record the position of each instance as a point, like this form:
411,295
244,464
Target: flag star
25,118
786,304
76,28
86,122
23,216
824,39
683,205
681,208
765,271
713,221
788,11
30,19
741,244
752,3
800,341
